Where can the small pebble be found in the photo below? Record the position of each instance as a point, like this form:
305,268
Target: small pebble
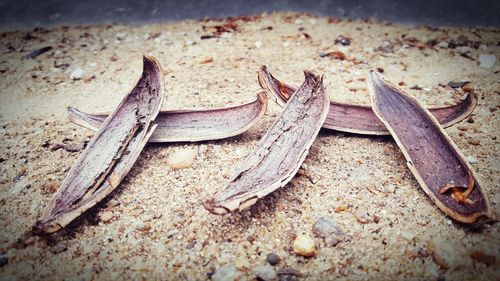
50,187
148,217
362,217
207,60
457,84
464,49
341,208
59,248
4,260
273,259
265,272
136,212
471,159
121,36
251,238
487,61
443,45
202,149
139,225
143,226
112,203
344,41
474,142
225,273
483,47
304,246
226,173
327,229
76,74
390,188
408,235
106,216
448,255
182,158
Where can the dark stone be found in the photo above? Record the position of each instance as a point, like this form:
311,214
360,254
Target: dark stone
459,84
273,259
4,260
344,41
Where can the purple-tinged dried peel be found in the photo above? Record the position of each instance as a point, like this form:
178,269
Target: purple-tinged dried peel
360,119
191,125
435,161
110,154
280,152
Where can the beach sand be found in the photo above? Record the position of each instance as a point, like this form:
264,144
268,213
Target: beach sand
153,226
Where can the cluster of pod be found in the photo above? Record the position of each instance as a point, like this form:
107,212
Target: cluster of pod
436,162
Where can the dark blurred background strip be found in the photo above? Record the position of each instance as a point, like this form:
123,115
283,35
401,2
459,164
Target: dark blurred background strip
25,14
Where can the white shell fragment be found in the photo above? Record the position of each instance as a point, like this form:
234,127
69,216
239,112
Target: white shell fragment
487,61
76,74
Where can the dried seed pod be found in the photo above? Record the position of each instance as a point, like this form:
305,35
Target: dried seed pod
360,119
282,150
435,161
191,125
110,154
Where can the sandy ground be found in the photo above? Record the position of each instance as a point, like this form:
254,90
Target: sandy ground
159,229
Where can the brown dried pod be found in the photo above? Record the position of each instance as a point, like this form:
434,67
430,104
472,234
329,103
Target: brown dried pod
110,154
282,150
191,125
360,119
435,161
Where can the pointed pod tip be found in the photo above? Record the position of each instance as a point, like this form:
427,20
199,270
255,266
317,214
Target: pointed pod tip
310,73
73,112
148,60
41,227
211,205
261,96
375,81
374,74
261,74
313,76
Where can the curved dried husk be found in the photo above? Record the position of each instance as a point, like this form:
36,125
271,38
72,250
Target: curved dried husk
110,154
191,125
360,119
435,161
282,150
